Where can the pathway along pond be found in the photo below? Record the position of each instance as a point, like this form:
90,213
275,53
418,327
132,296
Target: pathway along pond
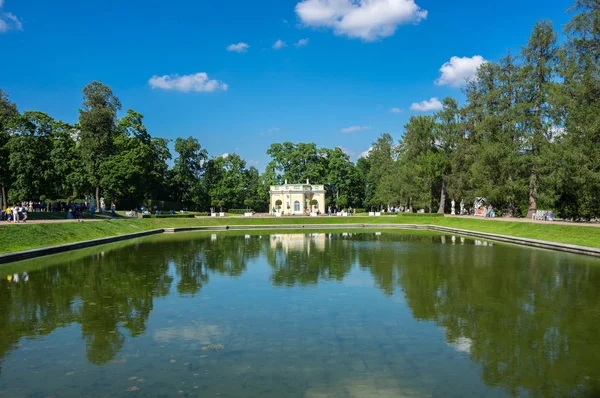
358,314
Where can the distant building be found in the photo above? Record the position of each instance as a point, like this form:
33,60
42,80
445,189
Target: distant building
295,198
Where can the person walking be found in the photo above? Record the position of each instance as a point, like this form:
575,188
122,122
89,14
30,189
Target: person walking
24,212
113,207
15,213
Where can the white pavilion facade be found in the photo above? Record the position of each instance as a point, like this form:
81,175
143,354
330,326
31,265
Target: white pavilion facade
295,198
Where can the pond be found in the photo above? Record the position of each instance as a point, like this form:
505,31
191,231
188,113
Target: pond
310,314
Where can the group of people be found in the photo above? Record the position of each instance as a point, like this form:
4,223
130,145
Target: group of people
335,210
17,213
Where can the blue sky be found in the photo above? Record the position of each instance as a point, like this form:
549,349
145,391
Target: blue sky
359,60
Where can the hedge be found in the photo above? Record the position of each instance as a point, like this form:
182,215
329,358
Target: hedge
239,211
418,214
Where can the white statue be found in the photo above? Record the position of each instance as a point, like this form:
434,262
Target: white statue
462,206
102,205
453,207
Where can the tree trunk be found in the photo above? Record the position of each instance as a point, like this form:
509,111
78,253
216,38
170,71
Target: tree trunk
532,192
97,196
442,196
4,199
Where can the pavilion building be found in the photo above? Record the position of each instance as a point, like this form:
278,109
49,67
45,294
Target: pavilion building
295,198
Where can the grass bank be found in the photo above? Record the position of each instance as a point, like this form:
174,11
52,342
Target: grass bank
20,237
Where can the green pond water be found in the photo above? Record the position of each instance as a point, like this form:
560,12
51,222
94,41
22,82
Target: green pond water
311,314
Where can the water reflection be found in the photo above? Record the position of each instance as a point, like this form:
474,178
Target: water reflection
529,318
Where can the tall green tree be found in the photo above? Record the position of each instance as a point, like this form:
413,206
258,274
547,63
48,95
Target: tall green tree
8,111
98,130
225,181
446,138
128,172
30,157
188,171
382,174
539,63
576,154
297,162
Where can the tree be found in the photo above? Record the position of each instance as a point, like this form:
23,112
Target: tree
30,157
297,162
129,171
421,166
226,181
539,59
66,162
576,150
98,128
187,172
8,111
447,136
382,165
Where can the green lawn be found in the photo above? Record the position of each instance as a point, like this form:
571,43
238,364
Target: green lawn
30,236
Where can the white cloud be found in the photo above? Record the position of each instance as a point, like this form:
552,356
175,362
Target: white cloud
9,21
352,129
1,3
196,82
224,156
346,151
365,19
425,106
253,162
458,71
241,47
365,153
396,110
279,44
302,42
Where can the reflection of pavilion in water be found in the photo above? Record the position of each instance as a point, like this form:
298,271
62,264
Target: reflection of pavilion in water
299,242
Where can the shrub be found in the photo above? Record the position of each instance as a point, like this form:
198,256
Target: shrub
187,215
237,211
417,214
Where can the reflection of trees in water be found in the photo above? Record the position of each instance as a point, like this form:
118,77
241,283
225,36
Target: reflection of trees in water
106,292
307,258
530,318
225,256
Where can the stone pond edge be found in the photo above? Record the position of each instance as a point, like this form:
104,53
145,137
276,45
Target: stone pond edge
564,247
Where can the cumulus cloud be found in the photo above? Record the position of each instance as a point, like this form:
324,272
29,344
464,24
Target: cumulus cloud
241,47
459,70
365,19
9,21
279,44
198,82
425,106
353,129
347,151
396,110
302,42
366,153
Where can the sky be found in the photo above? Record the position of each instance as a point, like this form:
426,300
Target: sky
241,75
